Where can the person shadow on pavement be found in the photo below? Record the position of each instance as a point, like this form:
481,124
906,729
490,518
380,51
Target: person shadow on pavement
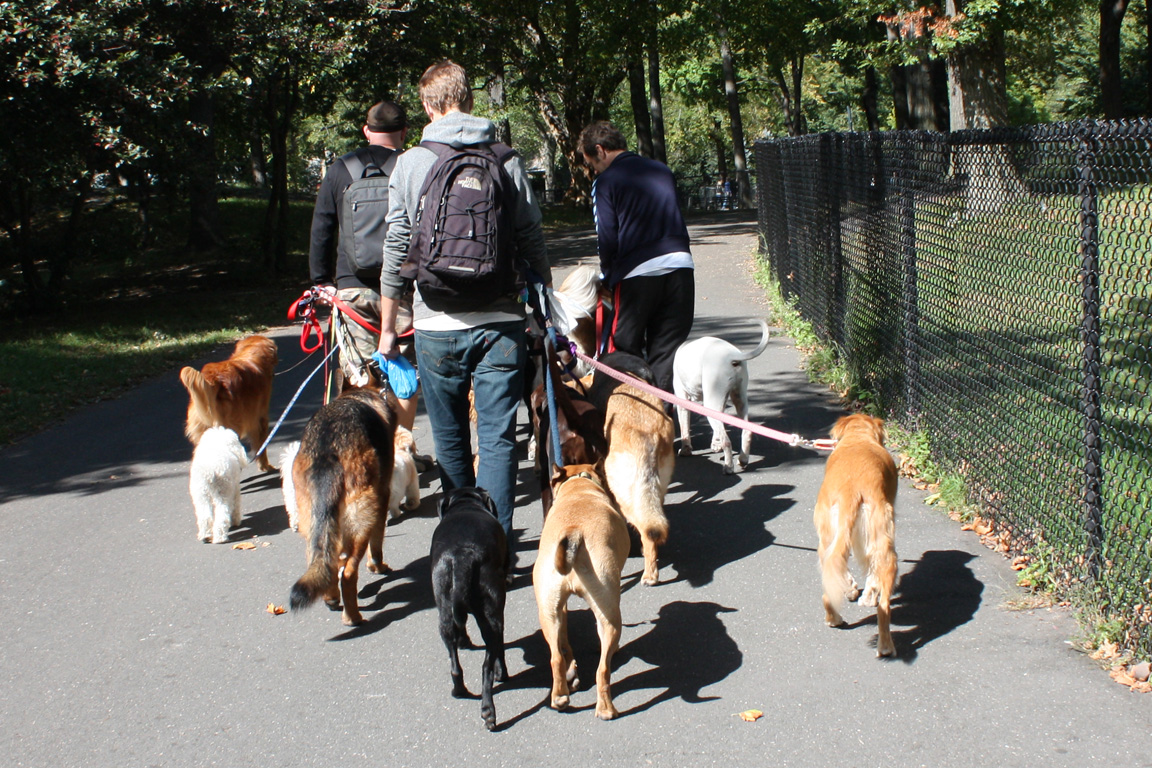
938,595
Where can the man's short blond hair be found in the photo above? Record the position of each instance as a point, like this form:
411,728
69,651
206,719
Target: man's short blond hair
444,86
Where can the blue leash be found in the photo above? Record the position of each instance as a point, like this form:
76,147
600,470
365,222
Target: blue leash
292,402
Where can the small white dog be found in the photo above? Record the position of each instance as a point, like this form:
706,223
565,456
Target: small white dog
286,486
405,479
711,371
214,483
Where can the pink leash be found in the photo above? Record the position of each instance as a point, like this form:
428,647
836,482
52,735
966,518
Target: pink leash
823,444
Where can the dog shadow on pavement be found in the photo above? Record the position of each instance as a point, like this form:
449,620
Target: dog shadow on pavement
706,533
938,595
393,596
688,649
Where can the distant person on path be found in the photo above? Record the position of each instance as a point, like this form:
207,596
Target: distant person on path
351,260
645,258
480,348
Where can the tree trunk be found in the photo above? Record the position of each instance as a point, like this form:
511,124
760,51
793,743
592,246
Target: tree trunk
977,84
655,94
283,95
1111,85
203,208
721,150
496,96
60,259
639,99
868,99
732,94
899,86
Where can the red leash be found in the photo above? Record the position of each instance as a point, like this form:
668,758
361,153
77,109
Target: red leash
823,444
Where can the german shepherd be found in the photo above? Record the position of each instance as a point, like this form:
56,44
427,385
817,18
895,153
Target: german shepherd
854,512
233,393
583,548
641,453
342,476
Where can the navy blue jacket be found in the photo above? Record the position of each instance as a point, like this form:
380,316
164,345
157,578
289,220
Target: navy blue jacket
637,215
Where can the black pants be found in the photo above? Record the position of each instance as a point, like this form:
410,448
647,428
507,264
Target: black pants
654,317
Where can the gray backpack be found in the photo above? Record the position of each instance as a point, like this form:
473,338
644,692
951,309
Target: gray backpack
365,207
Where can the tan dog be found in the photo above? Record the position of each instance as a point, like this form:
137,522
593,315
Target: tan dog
641,455
405,492
234,393
583,548
342,476
855,511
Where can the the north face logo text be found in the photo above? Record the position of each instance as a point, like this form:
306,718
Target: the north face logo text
468,182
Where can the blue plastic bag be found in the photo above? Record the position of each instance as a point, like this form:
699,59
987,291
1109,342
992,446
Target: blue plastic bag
402,377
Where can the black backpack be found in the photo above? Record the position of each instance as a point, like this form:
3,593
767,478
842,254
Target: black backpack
364,210
463,249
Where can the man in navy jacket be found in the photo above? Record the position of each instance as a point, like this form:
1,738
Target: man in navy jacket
645,259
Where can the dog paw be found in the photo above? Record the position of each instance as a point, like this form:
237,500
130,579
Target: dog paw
410,504
869,597
607,713
560,702
378,567
352,619
887,649
729,469
459,691
834,620
685,450
489,716
743,459
333,605
219,538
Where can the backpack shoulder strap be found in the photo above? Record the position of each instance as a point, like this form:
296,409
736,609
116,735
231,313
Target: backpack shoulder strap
503,152
357,167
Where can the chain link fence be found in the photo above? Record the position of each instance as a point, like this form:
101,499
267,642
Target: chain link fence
994,288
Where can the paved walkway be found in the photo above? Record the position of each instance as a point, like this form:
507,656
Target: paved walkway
126,642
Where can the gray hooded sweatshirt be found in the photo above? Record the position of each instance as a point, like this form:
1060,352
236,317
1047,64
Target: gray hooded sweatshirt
457,129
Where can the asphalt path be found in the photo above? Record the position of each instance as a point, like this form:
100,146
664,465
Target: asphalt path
124,641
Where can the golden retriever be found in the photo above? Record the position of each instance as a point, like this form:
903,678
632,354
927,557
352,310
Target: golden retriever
234,393
855,511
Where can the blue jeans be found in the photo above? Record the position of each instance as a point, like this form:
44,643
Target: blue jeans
490,360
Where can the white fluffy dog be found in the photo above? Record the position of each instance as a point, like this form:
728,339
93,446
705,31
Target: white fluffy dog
289,490
405,491
711,371
214,483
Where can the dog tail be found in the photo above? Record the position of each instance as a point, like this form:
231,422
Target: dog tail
566,550
834,565
326,481
203,397
764,335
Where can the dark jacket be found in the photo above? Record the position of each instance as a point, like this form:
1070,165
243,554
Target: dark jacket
326,265
637,215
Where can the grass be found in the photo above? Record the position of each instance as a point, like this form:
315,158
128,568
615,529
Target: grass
134,313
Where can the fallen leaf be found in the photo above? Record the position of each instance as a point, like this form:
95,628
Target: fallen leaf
1020,563
244,545
276,610
264,544
751,715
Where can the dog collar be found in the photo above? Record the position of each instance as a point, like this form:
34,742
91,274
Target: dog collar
586,476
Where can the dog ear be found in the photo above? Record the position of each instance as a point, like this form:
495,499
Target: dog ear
489,504
445,502
558,475
879,430
839,427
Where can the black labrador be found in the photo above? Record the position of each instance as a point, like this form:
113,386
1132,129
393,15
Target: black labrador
469,572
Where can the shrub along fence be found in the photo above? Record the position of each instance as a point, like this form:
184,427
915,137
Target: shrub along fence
994,288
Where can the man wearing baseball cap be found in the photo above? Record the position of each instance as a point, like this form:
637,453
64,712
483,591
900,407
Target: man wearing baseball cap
333,256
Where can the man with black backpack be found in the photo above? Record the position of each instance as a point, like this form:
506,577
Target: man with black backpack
348,230
464,226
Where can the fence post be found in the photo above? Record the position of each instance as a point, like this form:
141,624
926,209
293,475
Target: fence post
911,298
1090,338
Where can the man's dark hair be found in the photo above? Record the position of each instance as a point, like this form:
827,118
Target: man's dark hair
603,133
386,117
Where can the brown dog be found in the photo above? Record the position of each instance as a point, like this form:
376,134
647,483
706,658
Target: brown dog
580,426
583,548
640,457
855,511
342,475
234,393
